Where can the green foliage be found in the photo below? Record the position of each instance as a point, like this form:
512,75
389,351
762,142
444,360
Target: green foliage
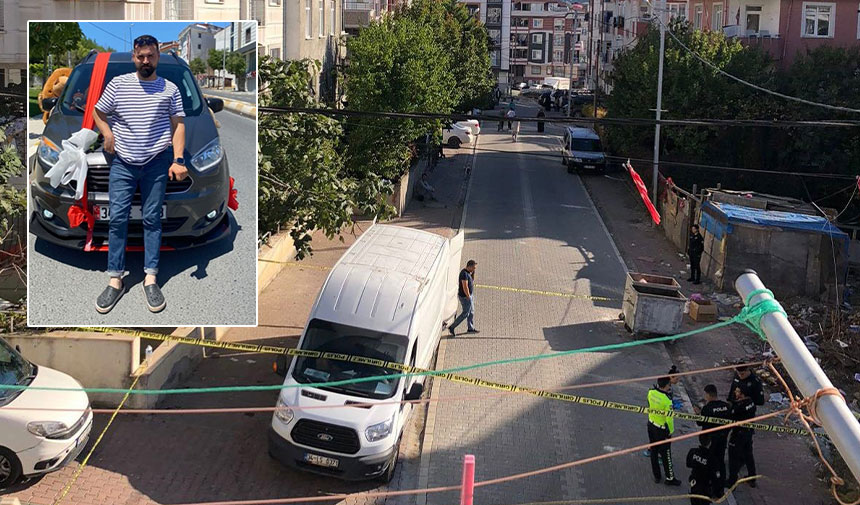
302,181
236,64
215,59
53,38
13,201
197,66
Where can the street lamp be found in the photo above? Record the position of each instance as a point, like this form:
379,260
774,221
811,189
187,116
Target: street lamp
130,39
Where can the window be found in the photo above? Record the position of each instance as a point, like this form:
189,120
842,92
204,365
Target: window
537,23
697,17
198,47
474,10
2,22
322,17
717,20
535,70
677,11
559,71
558,40
495,58
331,16
494,15
495,36
753,17
521,22
537,54
537,38
558,23
274,3
308,19
818,19
521,54
558,56
548,70
199,35
275,52
523,7
858,21
247,34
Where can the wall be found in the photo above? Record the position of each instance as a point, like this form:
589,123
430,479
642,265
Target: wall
172,364
845,30
677,209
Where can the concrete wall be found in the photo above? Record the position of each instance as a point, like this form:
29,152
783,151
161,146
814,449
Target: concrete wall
677,210
94,359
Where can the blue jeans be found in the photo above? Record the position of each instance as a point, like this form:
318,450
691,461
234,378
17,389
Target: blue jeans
124,180
468,313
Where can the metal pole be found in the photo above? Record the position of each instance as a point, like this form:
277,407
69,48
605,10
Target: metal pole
223,65
837,419
570,81
662,7
591,39
597,64
468,487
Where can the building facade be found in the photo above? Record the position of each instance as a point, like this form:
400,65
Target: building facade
313,30
239,37
196,40
496,16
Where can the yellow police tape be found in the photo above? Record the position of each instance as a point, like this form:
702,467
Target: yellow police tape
462,379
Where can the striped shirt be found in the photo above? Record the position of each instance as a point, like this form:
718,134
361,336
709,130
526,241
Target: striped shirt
139,115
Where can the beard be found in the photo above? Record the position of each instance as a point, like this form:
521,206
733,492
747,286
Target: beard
146,70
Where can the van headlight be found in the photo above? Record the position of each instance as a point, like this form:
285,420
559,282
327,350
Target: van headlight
379,431
49,154
47,429
208,157
577,160
284,413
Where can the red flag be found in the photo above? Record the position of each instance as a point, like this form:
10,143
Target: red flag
643,192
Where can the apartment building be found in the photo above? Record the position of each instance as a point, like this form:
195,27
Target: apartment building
359,13
196,40
313,30
240,37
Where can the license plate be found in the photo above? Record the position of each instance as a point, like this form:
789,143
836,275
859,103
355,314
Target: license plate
321,460
136,213
589,166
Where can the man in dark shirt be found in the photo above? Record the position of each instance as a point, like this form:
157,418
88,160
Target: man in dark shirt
741,438
466,292
695,248
751,383
701,470
714,407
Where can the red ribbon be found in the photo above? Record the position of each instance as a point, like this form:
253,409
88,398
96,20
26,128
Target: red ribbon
82,211
232,202
643,192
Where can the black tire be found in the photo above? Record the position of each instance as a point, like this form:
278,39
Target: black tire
10,468
386,477
453,142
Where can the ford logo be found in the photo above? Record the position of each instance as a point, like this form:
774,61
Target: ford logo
325,437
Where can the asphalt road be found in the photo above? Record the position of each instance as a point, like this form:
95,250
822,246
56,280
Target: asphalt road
210,285
244,96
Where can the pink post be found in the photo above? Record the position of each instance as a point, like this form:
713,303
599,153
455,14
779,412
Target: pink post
468,480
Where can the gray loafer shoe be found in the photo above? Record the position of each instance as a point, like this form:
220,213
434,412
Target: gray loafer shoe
154,299
107,300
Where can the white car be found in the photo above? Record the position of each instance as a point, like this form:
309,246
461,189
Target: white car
472,124
457,135
34,441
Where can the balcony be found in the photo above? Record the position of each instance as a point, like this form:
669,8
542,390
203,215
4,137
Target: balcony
769,42
359,14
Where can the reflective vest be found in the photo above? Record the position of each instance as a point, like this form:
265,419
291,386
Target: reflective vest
658,400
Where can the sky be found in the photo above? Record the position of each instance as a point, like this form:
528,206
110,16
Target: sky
117,35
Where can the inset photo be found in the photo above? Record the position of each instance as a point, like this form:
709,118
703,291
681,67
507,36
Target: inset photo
142,166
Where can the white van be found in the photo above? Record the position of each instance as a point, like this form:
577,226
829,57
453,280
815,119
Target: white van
385,299
33,442
556,82
581,149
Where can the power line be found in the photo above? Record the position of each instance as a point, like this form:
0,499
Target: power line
111,34
566,120
739,169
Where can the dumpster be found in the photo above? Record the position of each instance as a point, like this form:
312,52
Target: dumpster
652,304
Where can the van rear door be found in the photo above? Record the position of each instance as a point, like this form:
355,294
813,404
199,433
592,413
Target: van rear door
455,258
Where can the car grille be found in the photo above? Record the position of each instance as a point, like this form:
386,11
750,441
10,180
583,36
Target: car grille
135,228
326,436
98,178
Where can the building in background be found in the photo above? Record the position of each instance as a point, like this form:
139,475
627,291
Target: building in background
496,16
239,37
313,30
208,10
172,45
196,40
359,13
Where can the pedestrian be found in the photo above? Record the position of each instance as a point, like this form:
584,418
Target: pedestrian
516,130
466,295
741,438
750,382
147,133
714,407
695,248
541,114
661,427
701,470
427,191
510,115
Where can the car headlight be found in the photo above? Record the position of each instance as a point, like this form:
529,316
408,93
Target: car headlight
577,160
284,413
48,152
47,429
208,157
379,431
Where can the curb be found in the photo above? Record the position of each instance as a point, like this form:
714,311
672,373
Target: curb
242,108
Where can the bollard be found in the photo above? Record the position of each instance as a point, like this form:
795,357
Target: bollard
468,480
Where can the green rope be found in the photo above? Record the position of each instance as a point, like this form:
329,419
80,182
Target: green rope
750,316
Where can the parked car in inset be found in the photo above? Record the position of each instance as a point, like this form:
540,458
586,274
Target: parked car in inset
472,124
454,136
582,149
33,441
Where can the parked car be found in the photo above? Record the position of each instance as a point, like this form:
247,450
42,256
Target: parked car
195,208
393,315
521,86
582,150
34,442
472,124
455,135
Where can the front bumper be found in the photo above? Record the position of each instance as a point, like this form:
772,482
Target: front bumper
586,165
353,468
52,455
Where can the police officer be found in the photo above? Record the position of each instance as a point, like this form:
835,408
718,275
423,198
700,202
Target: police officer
699,461
714,407
660,427
750,381
741,438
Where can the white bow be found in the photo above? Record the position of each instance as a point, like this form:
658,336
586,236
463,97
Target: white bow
72,163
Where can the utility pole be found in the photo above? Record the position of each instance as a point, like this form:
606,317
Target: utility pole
591,39
832,411
597,65
662,10
223,65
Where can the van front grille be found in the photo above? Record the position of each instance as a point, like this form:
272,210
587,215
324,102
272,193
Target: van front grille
326,436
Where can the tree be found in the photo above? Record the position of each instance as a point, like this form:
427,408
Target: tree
216,59
197,66
50,38
236,65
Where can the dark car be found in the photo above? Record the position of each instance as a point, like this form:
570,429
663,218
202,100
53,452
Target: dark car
195,209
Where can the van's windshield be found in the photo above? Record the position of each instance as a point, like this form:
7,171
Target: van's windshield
75,93
324,336
14,370
587,145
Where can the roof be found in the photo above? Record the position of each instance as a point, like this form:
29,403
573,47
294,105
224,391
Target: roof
377,282
580,132
729,214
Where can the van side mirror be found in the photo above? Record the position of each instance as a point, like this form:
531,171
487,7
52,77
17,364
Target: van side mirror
415,393
216,104
49,103
280,365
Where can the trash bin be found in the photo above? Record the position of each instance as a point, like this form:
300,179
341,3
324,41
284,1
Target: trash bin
652,305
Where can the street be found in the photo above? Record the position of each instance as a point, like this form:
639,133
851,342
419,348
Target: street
210,284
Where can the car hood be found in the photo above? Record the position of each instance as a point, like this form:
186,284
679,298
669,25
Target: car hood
355,417
588,155
199,130
76,401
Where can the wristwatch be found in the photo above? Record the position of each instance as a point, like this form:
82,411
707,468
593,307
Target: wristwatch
180,161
